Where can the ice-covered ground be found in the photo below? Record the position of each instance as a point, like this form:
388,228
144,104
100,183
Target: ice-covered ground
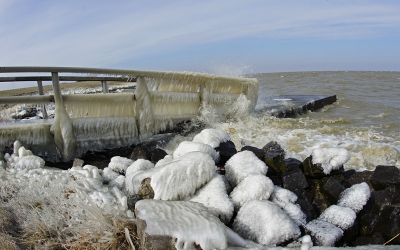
87,205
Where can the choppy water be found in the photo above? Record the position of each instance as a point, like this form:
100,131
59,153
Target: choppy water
364,120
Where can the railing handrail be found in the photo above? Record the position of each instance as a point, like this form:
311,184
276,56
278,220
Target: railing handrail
65,78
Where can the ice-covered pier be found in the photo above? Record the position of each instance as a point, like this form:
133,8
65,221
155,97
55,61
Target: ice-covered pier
96,121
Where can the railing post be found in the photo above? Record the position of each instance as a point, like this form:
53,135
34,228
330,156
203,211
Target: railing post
43,106
105,87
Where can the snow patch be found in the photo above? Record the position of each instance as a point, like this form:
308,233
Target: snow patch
325,233
243,164
265,223
253,187
286,199
212,137
330,158
355,197
119,164
139,164
339,216
188,146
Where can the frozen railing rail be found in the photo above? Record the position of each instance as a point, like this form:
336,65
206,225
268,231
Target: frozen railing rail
97,121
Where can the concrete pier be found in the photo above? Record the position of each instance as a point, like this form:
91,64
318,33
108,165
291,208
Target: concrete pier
289,106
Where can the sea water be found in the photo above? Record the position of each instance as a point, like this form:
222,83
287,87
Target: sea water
364,120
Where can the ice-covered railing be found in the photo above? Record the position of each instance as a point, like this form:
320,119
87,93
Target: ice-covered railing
97,121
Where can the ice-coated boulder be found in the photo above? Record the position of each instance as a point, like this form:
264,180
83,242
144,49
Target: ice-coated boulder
213,196
330,158
188,146
182,225
339,216
265,223
355,197
286,199
253,187
212,137
119,164
181,177
243,164
325,233
139,164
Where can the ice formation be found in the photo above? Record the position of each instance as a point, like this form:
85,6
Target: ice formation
355,197
252,187
286,199
342,217
243,164
330,158
119,164
188,222
324,233
212,137
108,174
188,146
265,223
181,177
138,165
213,196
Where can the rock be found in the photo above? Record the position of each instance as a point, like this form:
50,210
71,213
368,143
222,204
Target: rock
389,224
388,196
351,234
312,170
369,222
274,158
333,189
323,233
292,164
304,194
307,208
157,154
140,152
78,163
375,239
320,201
293,179
385,176
145,190
258,152
159,232
359,177
276,180
226,151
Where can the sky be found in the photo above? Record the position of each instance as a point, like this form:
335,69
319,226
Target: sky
221,37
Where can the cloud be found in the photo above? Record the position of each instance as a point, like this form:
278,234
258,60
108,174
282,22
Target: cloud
75,33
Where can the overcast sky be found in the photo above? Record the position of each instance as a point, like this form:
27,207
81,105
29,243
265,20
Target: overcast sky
223,37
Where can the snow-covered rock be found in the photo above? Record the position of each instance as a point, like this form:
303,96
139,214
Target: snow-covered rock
181,177
188,146
213,196
339,216
330,158
355,197
265,223
212,137
243,164
139,164
119,164
286,199
325,233
252,187
29,162
108,174
188,222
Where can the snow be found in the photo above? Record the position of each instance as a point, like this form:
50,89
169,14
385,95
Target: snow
180,177
134,181
339,216
188,222
138,165
325,233
29,162
286,199
212,137
265,223
188,146
355,197
330,158
243,164
253,187
213,196
109,175
119,164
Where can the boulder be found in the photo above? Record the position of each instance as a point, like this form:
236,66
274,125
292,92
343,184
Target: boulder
389,224
385,176
333,189
226,150
294,179
312,170
388,196
140,152
258,152
274,158
359,177
145,190
307,208
78,162
375,239
157,154
196,227
320,201
292,164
